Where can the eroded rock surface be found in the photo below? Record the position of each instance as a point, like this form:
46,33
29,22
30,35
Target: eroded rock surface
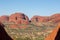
19,18
39,19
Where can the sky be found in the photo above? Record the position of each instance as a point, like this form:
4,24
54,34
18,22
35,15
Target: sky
30,7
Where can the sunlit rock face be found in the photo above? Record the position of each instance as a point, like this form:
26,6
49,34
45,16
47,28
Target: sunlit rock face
4,18
55,18
55,35
55,15
39,19
19,18
3,33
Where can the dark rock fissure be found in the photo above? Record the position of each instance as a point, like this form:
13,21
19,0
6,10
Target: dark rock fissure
16,18
58,35
23,17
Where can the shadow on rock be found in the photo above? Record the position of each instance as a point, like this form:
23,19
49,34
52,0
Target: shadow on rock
3,33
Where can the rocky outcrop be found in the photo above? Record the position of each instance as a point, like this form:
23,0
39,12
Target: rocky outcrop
55,35
55,15
39,19
4,18
19,18
3,33
55,18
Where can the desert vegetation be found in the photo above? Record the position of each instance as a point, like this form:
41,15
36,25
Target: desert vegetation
32,32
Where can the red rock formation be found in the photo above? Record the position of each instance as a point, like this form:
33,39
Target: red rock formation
39,19
55,15
3,33
19,18
55,35
4,18
36,20
55,18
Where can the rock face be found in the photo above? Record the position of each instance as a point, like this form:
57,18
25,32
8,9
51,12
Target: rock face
56,15
4,18
19,18
55,35
3,33
55,18
39,19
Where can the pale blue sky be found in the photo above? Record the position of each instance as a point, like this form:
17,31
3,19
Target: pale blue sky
30,7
